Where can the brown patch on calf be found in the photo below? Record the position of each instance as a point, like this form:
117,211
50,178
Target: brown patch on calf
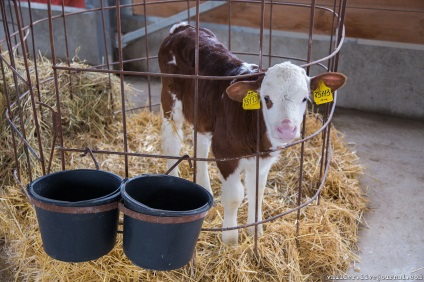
235,136
234,130
238,90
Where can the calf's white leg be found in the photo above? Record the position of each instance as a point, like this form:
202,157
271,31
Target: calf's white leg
172,135
203,146
250,183
232,196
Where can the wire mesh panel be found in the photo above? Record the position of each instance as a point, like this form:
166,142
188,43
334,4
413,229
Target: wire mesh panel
68,105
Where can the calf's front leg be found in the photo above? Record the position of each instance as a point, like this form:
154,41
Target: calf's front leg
250,182
203,147
172,134
232,196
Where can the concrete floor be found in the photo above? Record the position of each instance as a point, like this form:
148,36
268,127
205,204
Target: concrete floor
392,150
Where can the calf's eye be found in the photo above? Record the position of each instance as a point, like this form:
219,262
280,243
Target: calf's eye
305,99
268,101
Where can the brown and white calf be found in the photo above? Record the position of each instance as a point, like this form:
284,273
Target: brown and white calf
222,123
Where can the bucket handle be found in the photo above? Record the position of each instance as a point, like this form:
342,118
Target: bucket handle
89,151
178,162
15,175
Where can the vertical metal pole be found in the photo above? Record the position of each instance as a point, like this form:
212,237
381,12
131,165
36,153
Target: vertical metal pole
326,134
323,149
31,91
302,146
121,76
6,89
340,31
12,20
188,12
196,89
270,34
68,62
146,35
311,32
34,54
258,129
22,22
106,52
229,24
56,82
15,78
334,27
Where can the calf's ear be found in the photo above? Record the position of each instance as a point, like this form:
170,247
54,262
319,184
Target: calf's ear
334,80
238,90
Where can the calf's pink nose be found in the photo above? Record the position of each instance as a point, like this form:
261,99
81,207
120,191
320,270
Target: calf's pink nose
286,127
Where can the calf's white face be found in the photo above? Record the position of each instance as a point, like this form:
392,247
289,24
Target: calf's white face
284,94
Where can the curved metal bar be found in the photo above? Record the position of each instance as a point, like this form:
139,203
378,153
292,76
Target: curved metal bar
337,28
21,136
15,175
131,154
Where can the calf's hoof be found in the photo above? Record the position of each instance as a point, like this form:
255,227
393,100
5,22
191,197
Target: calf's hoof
230,237
251,230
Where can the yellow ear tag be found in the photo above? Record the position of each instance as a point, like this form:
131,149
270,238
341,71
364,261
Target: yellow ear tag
322,94
251,101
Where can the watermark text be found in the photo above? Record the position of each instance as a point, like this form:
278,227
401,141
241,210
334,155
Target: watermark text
366,277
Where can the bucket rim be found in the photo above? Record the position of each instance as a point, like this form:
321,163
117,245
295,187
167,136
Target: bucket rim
160,219
147,210
42,201
75,210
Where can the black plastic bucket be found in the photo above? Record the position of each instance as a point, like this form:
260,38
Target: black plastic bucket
163,216
77,212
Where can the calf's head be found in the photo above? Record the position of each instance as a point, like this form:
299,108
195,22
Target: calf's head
284,92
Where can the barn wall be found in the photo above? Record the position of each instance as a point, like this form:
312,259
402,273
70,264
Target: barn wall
384,75
383,55
85,35
388,20
383,78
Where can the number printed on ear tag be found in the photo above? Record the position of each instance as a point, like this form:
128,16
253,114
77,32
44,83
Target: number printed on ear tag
251,101
322,94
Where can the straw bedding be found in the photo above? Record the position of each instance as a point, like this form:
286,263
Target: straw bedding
327,233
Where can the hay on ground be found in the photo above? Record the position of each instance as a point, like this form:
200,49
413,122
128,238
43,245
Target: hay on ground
327,234
88,103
